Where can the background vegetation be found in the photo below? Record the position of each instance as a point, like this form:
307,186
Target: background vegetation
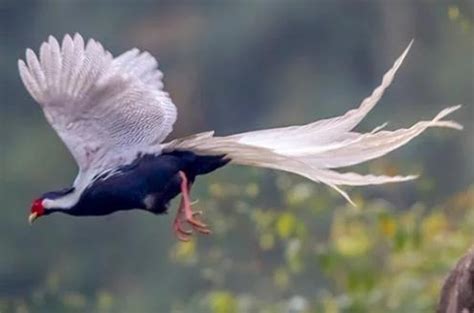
280,243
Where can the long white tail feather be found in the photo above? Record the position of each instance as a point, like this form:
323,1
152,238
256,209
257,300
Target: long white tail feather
313,150
322,131
367,146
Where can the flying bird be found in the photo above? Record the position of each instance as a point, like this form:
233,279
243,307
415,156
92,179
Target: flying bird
113,115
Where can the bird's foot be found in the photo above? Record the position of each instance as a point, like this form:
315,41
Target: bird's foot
186,215
183,226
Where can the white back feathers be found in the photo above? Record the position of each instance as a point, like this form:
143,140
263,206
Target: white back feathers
104,109
314,149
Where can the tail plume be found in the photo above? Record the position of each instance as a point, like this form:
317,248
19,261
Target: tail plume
314,150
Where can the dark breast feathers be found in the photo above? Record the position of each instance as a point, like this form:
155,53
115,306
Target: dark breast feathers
149,183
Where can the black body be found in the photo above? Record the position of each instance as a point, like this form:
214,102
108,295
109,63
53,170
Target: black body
156,177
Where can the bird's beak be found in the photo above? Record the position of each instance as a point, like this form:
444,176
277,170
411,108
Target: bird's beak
32,217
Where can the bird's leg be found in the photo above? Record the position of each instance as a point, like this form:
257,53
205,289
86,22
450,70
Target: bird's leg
186,214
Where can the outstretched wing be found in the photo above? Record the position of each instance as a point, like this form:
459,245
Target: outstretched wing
104,109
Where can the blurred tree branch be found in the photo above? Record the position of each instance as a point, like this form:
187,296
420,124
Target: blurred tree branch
457,294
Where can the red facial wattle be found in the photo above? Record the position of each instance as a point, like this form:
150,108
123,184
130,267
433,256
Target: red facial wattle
37,209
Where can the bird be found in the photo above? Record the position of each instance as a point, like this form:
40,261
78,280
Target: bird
114,115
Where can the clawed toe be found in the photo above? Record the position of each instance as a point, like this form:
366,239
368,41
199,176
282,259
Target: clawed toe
204,231
198,226
182,237
195,222
181,233
197,213
182,230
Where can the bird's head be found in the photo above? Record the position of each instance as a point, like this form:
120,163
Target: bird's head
37,210
55,201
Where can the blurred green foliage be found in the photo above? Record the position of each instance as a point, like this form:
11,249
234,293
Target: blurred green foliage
280,244
371,257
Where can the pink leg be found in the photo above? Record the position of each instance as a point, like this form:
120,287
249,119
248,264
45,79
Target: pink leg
187,215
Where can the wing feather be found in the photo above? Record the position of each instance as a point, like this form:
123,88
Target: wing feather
142,65
105,110
29,81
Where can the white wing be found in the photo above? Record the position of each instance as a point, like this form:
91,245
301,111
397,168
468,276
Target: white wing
104,109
